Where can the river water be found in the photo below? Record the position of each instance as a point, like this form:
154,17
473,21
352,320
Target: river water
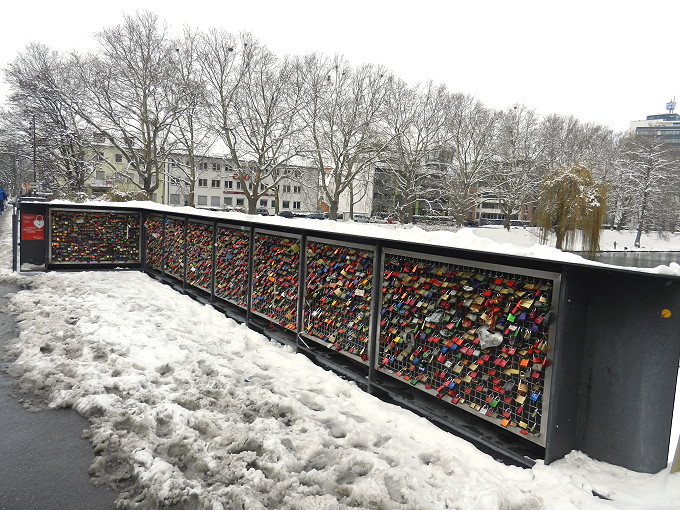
634,258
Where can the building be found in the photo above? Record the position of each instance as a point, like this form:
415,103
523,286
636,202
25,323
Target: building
216,186
665,125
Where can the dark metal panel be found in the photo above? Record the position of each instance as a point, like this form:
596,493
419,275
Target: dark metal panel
567,356
630,370
33,245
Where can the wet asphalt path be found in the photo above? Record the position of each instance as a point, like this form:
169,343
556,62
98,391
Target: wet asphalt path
44,461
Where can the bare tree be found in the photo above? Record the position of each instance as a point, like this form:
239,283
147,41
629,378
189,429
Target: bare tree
649,172
44,128
515,179
566,141
343,112
468,149
15,169
192,133
131,96
256,99
414,121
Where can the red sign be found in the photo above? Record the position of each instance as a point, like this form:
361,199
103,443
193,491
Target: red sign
32,227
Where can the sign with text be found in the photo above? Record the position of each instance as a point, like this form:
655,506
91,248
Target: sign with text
32,227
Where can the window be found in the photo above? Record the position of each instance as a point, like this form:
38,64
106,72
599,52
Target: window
239,202
296,205
203,183
100,175
204,165
215,201
202,200
216,167
228,201
250,185
262,186
229,184
286,188
99,137
273,204
285,204
297,189
263,203
174,198
216,183
141,180
238,184
119,158
172,163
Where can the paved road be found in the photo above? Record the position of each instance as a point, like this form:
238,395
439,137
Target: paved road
44,461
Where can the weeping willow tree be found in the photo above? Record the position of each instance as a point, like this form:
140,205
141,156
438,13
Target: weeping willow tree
571,201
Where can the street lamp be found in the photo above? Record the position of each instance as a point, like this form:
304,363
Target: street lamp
35,172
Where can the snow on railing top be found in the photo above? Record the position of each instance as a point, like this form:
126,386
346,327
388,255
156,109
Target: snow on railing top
463,238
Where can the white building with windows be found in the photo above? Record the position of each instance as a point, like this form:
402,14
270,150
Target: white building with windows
218,186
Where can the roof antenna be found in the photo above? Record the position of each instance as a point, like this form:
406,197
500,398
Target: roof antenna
670,105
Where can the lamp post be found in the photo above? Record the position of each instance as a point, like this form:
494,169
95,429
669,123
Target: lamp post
35,172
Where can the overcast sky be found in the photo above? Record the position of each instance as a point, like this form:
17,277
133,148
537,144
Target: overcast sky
602,61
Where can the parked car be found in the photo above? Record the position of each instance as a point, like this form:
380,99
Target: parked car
286,214
316,216
361,218
262,212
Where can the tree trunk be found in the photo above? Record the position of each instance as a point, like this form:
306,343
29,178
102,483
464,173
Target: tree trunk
333,210
641,223
252,204
507,212
351,200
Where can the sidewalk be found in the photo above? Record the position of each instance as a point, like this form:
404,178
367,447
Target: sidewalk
44,461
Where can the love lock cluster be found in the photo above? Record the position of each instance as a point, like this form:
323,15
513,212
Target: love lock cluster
93,237
275,278
231,264
477,338
338,297
174,247
199,255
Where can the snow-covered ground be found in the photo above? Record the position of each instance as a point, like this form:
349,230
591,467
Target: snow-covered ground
624,239
191,410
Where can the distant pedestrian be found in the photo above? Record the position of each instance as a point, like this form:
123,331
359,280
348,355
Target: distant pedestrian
614,244
3,197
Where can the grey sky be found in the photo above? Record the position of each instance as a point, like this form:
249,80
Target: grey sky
602,61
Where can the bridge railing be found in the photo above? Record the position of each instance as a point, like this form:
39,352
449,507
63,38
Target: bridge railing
526,357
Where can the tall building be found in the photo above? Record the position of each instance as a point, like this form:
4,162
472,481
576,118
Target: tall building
665,125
